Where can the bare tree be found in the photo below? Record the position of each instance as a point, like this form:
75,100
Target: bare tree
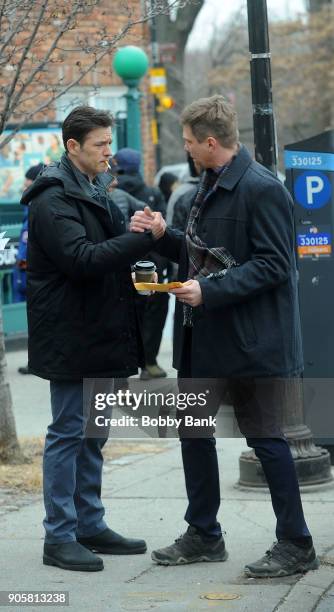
302,69
38,39
46,48
175,30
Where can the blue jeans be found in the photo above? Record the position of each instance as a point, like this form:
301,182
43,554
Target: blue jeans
72,469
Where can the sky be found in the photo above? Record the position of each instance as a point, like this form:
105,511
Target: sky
219,11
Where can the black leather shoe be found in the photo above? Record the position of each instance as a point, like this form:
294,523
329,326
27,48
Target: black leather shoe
71,556
112,543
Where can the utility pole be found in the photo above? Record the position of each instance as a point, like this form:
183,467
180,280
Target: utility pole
262,100
312,462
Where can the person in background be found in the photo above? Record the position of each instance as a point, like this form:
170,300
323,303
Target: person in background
168,182
184,203
179,205
20,270
182,188
55,150
153,311
128,205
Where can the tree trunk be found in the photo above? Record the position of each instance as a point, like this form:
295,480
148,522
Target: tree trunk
10,451
325,112
177,32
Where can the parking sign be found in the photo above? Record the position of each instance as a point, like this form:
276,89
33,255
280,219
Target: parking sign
313,189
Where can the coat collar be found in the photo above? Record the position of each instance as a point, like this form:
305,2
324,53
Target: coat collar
62,173
76,187
235,171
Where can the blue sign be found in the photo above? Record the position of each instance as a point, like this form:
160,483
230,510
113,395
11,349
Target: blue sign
308,160
313,190
318,240
314,241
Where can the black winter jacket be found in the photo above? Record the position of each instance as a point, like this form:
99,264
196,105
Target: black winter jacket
248,324
80,296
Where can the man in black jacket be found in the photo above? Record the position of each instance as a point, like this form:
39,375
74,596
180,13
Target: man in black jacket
82,325
237,329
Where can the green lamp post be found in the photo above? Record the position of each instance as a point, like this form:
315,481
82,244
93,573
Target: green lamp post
131,63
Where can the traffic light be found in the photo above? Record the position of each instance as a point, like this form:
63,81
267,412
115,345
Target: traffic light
165,103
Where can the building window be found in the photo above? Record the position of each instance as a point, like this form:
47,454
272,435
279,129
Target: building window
107,98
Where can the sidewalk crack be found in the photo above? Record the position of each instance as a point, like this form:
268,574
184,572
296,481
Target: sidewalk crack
322,596
285,597
142,573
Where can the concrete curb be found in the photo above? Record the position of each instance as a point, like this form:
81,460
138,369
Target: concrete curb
307,593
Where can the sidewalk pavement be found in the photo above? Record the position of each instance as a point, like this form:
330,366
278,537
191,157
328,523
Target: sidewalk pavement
144,496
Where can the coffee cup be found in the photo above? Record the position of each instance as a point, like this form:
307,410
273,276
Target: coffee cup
144,271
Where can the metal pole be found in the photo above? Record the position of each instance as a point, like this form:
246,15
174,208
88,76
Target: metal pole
263,115
133,126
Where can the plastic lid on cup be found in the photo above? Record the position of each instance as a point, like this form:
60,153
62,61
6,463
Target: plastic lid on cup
145,266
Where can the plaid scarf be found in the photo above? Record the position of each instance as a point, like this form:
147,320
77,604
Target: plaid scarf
204,261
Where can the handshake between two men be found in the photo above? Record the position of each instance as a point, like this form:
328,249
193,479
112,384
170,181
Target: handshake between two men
190,293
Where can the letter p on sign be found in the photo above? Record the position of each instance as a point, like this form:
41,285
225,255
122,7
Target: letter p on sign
314,184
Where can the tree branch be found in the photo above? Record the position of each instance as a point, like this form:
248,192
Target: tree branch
100,52
6,112
40,67
14,31
2,12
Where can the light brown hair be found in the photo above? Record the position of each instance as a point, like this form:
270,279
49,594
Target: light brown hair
212,116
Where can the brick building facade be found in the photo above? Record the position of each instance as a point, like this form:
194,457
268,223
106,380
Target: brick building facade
99,21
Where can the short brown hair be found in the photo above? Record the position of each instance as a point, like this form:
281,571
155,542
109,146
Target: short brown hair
82,120
212,116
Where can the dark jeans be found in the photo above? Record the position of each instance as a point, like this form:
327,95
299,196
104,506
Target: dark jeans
72,469
257,410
